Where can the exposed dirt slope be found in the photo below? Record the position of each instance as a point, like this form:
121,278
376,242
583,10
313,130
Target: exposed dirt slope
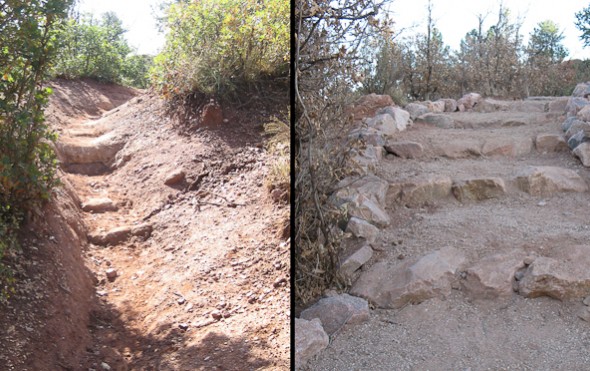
200,268
466,330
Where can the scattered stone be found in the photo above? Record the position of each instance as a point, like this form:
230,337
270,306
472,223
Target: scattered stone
105,366
546,180
183,326
362,229
477,189
280,281
212,114
367,105
335,312
392,286
216,315
438,120
181,301
492,276
584,313
99,205
586,300
368,209
111,274
175,177
355,261
416,110
404,149
583,153
564,277
426,190
550,143
310,339
542,203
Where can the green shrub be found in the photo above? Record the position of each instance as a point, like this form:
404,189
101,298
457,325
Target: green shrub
223,47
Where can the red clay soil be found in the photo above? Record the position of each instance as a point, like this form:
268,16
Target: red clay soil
208,288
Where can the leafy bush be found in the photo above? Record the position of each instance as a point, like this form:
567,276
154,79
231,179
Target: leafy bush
223,47
27,162
98,49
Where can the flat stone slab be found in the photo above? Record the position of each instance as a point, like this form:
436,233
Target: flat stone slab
477,189
119,235
550,143
459,148
511,147
99,205
493,276
404,149
335,312
310,339
546,180
564,277
439,120
423,191
393,286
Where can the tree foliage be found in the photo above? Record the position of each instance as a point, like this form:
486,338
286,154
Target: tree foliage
97,48
27,162
583,24
223,48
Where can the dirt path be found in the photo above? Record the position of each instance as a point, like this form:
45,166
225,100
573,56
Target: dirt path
503,228
187,248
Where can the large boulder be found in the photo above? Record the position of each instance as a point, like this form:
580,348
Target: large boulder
310,339
368,105
416,110
583,153
392,286
383,123
546,180
575,127
400,117
581,90
493,276
477,189
468,101
574,105
368,136
450,104
335,312
438,120
101,150
561,277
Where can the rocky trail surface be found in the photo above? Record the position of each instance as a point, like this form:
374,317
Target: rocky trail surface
184,256
467,245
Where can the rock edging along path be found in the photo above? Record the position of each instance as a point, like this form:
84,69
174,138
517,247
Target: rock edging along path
469,201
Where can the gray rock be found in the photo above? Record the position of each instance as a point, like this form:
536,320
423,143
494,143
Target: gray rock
355,261
493,276
577,126
369,136
335,312
562,277
99,205
581,90
577,139
438,120
574,105
369,186
584,113
414,281
584,313
546,180
383,123
404,149
310,339
416,110
569,122
477,189
362,229
425,190
450,104
546,143
368,209
468,101
583,153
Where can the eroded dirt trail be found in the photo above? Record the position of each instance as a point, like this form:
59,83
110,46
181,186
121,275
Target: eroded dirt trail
185,243
480,262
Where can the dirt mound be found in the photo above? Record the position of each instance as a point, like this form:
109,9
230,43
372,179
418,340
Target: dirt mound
185,268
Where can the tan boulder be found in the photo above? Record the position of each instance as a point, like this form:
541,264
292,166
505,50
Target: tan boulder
99,205
550,143
493,276
510,147
582,151
335,312
426,190
476,189
404,149
546,180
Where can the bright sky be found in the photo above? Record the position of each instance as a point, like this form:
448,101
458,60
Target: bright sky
138,19
454,18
